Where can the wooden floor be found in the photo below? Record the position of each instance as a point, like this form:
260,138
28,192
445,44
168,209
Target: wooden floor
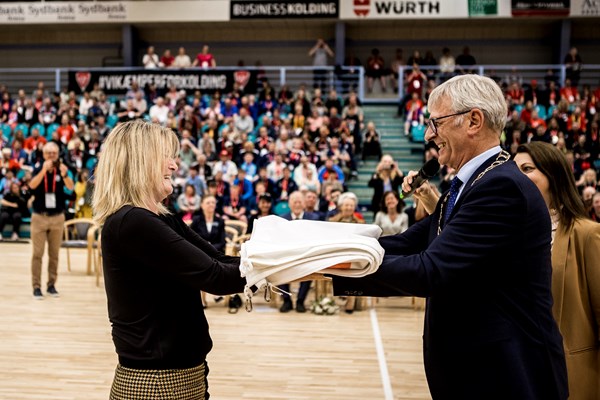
62,349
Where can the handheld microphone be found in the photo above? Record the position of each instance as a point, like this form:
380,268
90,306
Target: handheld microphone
427,171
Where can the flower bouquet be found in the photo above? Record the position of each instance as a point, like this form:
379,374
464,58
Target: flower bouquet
324,306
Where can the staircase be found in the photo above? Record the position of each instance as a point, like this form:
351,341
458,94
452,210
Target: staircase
408,155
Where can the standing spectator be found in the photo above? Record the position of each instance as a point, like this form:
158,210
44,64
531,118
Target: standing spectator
372,144
150,59
319,52
391,217
209,225
13,210
182,60
466,60
375,70
205,59
47,186
573,66
167,59
387,177
447,65
397,62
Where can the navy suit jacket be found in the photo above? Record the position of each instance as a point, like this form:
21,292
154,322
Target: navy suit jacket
489,331
307,215
216,236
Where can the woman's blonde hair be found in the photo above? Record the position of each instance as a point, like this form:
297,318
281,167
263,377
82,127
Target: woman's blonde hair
131,167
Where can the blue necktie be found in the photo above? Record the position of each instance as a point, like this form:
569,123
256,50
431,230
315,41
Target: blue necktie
453,194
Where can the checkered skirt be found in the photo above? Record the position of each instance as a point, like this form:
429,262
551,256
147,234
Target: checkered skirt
171,384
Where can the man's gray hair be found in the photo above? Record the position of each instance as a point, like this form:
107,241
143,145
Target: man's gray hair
466,92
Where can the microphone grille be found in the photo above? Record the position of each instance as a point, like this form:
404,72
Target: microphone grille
431,168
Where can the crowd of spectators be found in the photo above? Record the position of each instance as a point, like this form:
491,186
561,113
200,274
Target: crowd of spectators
236,146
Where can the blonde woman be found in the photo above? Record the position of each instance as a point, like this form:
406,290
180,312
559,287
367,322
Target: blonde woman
154,268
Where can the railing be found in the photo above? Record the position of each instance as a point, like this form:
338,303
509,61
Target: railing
343,79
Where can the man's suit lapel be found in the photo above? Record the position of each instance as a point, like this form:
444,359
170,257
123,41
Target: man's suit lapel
469,184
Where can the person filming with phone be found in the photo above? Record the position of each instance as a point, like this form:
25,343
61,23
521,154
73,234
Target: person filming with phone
48,188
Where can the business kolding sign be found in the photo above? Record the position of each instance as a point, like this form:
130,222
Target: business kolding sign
118,82
284,9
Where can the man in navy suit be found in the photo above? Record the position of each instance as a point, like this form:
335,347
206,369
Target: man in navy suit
482,260
297,211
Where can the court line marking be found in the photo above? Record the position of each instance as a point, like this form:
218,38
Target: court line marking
383,370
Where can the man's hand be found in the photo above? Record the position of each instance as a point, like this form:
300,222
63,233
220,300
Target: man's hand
425,193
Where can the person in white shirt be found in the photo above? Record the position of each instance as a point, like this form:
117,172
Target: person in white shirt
226,166
182,60
276,167
150,59
159,111
391,218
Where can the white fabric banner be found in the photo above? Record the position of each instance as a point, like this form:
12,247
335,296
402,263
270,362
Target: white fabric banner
281,251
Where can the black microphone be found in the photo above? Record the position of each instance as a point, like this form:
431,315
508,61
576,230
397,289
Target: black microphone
427,171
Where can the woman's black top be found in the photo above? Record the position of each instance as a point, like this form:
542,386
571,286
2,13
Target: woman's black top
154,269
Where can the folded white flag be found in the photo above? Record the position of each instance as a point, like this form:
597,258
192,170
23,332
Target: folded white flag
280,251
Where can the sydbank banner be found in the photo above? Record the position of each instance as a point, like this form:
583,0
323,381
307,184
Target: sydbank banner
35,12
118,82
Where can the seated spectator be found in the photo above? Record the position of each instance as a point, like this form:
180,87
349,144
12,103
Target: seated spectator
34,138
516,94
188,203
569,93
390,217
150,59
208,224
167,59
276,167
264,208
311,202
182,60
414,116
14,209
589,178
245,185
305,175
129,112
249,167
243,123
159,112
596,207
285,186
83,195
234,207
344,157
28,114
587,195
387,177
267,182
196,180
331,170
225,166
297,212
221,190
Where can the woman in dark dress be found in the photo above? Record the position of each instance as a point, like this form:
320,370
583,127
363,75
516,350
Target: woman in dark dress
154,268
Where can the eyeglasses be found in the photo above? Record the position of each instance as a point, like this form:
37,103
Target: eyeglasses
432,123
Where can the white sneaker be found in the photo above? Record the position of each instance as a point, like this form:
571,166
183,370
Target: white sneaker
15,236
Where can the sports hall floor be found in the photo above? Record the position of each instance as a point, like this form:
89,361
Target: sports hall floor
61,348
